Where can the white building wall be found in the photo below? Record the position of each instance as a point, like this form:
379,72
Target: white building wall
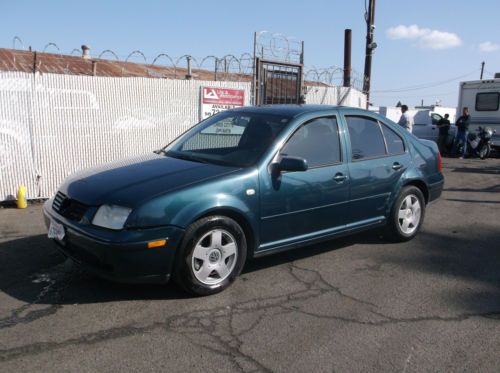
335,96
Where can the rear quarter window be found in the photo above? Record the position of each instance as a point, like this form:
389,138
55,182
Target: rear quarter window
395,143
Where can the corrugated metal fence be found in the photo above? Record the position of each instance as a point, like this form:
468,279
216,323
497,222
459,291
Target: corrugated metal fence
53,125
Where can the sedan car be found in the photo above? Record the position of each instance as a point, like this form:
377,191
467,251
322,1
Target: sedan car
242,184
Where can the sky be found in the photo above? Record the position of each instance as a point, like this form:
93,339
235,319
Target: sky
425,48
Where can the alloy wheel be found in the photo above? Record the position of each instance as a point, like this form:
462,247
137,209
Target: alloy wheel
409,214
214,257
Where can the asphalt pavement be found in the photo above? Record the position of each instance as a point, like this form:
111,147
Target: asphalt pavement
356,304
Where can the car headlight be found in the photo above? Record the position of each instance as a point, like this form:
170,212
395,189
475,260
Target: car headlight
111,216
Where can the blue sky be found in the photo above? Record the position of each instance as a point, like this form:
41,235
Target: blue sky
436,41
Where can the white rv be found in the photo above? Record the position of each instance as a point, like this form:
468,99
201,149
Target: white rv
482,97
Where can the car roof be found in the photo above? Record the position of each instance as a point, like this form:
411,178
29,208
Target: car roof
291,110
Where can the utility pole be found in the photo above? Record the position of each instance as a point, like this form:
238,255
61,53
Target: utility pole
370,46
347,57
482,70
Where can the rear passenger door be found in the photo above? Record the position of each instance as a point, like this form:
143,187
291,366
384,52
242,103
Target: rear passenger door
378,156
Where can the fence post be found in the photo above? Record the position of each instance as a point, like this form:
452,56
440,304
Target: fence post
34,62
189,74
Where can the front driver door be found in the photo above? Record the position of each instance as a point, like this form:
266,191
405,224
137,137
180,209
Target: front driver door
297,206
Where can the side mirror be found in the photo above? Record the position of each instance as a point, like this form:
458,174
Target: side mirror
291,164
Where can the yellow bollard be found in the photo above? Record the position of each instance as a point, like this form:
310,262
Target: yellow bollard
21,197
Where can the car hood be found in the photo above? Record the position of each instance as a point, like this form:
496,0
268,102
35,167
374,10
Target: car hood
131,181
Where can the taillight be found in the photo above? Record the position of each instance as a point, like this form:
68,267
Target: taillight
440,162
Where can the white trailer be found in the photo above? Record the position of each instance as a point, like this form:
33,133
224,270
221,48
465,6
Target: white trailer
482,97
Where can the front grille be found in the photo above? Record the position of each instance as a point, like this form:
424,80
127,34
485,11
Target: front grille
58,201
69,208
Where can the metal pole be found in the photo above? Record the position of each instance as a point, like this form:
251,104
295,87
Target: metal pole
347,57
189,74
254,80
216,68
34,62
369,50
302,91
482,70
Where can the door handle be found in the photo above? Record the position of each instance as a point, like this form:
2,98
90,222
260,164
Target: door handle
397,166
340,177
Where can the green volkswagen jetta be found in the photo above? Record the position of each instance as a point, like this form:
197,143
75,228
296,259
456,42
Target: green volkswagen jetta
242,184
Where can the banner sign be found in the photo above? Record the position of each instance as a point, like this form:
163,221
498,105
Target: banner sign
215,100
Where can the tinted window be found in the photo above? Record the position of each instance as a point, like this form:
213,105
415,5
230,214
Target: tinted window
487,101
317,142
366,137
395,144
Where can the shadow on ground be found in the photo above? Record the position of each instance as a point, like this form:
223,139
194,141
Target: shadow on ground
493,170
473,262
489,189
33,271
32,265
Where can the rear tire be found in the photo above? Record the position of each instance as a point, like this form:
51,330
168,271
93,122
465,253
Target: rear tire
407,215
211,255
484,152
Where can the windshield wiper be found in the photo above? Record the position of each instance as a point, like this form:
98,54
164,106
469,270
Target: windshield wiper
186,157
160,151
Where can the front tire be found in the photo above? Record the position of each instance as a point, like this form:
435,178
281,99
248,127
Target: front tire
407,215
211,256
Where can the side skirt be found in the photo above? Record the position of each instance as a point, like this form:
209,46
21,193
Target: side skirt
322,238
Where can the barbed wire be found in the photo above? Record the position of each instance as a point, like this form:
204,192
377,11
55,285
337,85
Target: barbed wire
333,76
276,46
109,51
17,38
138,52
51,45
229,67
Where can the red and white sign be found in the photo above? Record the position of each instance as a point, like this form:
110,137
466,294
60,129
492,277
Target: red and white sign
215,100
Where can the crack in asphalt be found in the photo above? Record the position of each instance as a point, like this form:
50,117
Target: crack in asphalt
216,329
50,277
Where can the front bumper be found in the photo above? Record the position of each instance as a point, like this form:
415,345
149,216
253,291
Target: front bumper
120,256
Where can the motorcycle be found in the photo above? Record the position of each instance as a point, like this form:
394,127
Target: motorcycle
479,144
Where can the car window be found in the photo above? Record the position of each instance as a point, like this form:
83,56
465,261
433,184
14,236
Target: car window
435,118
225,133
366,137
395,144
317,142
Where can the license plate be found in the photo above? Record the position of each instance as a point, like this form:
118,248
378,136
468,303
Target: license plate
56,231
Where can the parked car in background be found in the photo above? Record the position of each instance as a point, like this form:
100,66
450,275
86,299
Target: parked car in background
243,184
425,119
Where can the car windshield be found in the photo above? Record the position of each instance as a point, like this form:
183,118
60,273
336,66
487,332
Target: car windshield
229,138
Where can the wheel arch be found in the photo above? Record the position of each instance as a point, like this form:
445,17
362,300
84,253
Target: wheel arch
420,185
241,219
